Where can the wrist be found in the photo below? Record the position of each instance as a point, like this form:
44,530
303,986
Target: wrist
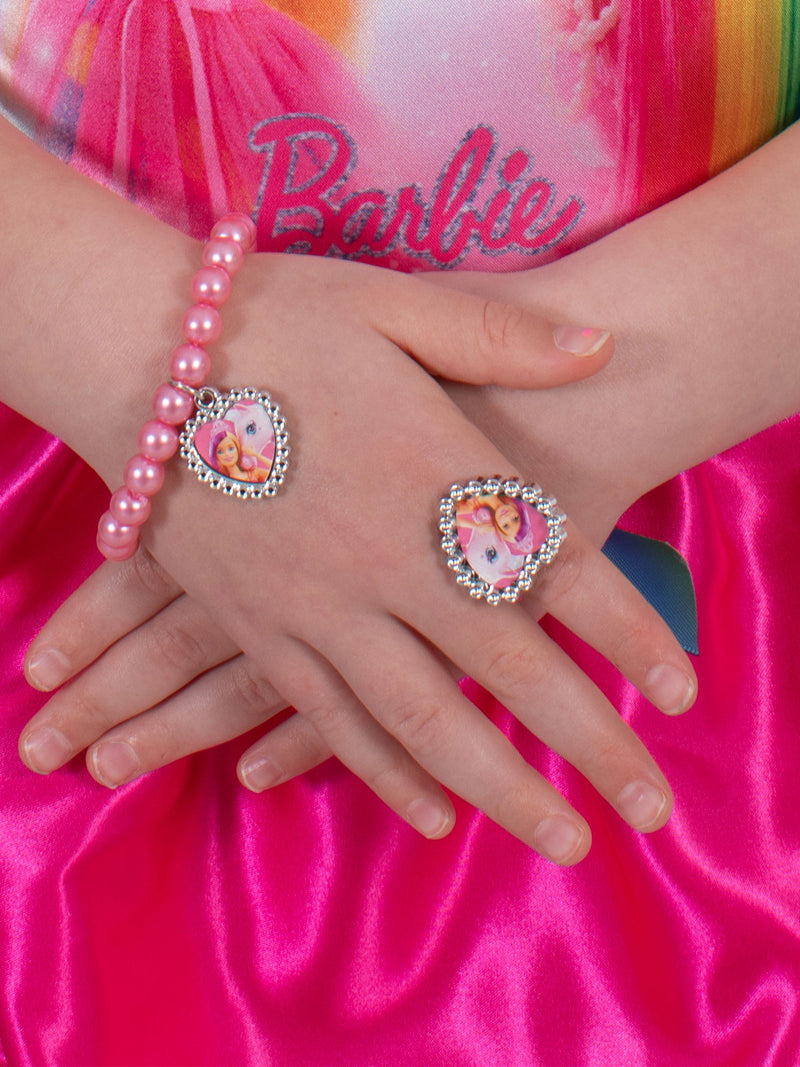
186,388
552,445
700,298
92,304
700,295
140,297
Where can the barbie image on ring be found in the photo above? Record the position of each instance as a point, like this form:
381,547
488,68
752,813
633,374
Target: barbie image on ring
496,533
241,445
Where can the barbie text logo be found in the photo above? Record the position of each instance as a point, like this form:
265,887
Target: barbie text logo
477,202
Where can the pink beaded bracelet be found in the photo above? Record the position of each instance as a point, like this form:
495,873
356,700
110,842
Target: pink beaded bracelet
237,443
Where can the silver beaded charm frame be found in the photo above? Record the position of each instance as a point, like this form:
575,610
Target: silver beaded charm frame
215,408
528,564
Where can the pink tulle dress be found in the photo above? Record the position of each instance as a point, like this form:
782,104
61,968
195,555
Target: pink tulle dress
183,920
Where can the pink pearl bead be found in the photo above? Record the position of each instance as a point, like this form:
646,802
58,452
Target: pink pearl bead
114,533
211,285
129,509
202,324
117,554
237,227
190,364
223,252
171,405
157,440
143,475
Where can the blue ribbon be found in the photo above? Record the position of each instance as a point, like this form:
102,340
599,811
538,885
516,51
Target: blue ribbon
662,576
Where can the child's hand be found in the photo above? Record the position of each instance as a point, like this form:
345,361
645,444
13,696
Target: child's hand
340,595
142,641
155,680
707,356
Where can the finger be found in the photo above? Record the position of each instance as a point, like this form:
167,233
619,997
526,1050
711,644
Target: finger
294,747
511,656
416,701
486,341
588,594
353,735
221,704
136,673
633,637
114,600
290,749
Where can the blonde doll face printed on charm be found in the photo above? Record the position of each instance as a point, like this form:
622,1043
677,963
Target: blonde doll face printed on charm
237,443
496,533
241,445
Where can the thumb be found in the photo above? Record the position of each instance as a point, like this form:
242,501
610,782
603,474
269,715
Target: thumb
484,340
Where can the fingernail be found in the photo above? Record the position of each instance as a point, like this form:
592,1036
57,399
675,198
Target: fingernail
46,749
578,341
557,838
429,819
640,804
669,688
261,774
115,762
48,669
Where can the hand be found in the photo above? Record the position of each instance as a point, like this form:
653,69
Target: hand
155,680
687,385
416,698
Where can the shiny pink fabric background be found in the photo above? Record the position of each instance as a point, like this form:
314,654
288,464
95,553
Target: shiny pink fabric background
184,921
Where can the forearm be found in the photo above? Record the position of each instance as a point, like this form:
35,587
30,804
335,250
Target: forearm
92,294
701,296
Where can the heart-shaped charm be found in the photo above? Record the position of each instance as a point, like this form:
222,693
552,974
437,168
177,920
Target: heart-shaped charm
237,442
497,534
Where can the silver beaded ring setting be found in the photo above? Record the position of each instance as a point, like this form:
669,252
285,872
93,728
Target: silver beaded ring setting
497,534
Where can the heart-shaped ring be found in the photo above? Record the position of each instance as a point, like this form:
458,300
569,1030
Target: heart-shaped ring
497,534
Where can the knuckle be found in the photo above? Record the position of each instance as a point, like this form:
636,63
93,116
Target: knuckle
420,726
148,573
513,670
326,717
299,744
392,773
518,802
70,631
499,326
254,691
627,640
176,646
86,714
612,749
562,576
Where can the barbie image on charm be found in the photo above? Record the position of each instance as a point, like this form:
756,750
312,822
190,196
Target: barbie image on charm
496,533
241,445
